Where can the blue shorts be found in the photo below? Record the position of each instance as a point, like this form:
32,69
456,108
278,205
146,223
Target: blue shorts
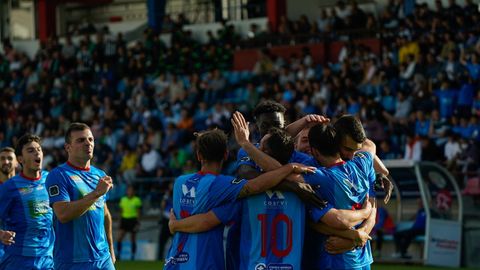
105,264
10,261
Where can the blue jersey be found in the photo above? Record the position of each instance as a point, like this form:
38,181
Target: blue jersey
272,226
195,194
345,186
25,210
82,239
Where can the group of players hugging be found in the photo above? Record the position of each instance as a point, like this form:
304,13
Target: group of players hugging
302,198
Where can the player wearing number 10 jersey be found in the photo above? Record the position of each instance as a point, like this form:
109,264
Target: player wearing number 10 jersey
205,190
272,223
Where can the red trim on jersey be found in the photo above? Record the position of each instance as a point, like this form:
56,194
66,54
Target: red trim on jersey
29,178
78,168
206,172
336,164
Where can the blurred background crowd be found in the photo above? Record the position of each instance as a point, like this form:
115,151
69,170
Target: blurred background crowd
419,98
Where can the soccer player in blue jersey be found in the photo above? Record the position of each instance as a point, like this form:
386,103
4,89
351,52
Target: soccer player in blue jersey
274,214
345,185
77,190
8,164
205,190
350,137
25,210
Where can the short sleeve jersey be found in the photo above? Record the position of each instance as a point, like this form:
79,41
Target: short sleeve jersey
271,226
26,211
130,206
82,239
345,186
194,194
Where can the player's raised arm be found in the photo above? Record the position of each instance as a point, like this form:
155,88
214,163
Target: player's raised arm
241,132
270,179
311,119
263,160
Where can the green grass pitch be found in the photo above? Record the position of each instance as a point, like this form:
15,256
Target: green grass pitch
140,265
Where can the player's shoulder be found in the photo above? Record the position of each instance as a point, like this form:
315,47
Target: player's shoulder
223,177
97,171
45,174
10,183
60,169
300,157
182,179
362,159
318,176
228,180
363,155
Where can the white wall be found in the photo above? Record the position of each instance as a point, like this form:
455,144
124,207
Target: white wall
28,46
312,8
199,31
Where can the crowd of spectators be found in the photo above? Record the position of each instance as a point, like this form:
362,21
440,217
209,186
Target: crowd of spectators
419,99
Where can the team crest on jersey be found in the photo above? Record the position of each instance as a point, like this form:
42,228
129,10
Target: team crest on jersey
25,190
275,199
53,191
260,266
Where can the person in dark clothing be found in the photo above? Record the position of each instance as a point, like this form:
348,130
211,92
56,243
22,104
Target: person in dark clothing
404,238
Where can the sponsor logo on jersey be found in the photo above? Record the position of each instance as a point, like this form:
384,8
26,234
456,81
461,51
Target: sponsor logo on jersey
188,198
38,208
25,190
179,258
275,199
279,266
75,178
188,192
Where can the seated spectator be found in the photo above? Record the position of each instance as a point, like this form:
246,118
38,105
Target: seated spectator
405,237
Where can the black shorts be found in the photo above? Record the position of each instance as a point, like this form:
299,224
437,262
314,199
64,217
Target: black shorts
129,224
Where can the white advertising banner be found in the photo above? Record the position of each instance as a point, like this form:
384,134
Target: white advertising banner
444,243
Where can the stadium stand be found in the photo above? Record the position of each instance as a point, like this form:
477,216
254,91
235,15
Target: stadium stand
417,98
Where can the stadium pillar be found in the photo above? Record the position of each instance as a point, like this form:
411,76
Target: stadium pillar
156,13
46,14
275,10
